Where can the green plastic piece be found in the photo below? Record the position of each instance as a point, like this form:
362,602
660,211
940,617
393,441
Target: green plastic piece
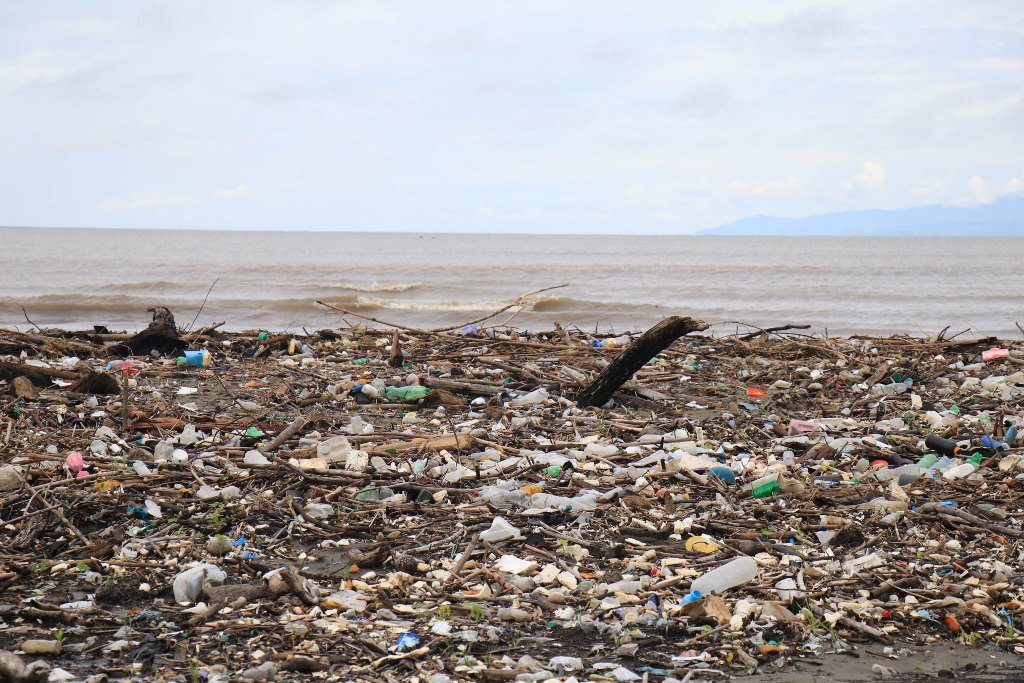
409,393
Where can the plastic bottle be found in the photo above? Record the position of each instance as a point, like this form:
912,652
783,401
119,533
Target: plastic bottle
767,485
735,573
410,393
962,470
928,460
499,497
612,342
692,596
125,367
533,398
913,472
548,500
938,444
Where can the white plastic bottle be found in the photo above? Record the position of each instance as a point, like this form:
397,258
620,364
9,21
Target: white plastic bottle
533,398
735,573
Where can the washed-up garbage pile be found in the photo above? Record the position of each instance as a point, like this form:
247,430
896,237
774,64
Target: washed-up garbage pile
369,505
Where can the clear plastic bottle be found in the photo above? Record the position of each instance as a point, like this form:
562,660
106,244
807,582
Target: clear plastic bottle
500,497
735,573
533,398
547,500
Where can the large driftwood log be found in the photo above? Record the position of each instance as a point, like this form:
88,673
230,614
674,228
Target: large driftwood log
646,347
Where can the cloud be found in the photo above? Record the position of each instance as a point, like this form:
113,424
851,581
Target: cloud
871,174
871,177
933,188
705,99
979,192
797,32
788,186
147,201
1016,184
233,193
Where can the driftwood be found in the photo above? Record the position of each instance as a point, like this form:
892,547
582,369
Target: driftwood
161,336
470,388
87,380
635,356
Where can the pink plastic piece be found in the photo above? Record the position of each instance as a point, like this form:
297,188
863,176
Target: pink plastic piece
75,462
993,354
797,427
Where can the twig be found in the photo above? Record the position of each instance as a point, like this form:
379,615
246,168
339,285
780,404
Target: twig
285,434
189,329
24,313
517,302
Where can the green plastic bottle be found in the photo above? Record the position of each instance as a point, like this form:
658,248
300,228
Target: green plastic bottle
409,393
928,460
765,486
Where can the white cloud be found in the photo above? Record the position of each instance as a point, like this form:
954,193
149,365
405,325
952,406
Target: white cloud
789,186
934,188
871,177
147,201
704,99
1016,184
240,190
871,174
978,192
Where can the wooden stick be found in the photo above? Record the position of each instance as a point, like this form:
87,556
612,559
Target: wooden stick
635,356
285,434
517,302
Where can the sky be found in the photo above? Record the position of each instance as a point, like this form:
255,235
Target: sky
517,116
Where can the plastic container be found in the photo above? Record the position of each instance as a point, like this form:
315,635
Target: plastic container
735,573
723,474
196,359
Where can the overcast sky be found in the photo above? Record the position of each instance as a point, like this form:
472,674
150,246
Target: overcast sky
511,116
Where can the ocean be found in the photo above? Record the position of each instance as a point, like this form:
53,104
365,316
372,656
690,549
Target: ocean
77,278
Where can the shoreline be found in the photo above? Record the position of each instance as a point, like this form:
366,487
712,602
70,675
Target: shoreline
299,452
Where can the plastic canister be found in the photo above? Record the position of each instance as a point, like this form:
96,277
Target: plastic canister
197,359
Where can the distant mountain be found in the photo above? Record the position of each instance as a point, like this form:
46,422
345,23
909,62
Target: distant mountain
1002,218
